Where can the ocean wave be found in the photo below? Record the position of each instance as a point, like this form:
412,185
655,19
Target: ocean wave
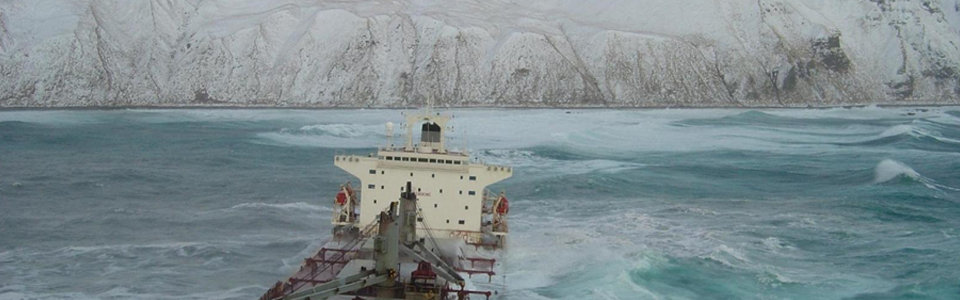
896,131
954,113
297,206
729,257
20,292
337,135
342,130
918,134
55,117
565,164
775,244
891,171
182,249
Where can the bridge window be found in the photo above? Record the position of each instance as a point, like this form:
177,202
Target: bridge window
422,160
456,162
433,161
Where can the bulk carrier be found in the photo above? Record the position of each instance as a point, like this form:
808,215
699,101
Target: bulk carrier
425,227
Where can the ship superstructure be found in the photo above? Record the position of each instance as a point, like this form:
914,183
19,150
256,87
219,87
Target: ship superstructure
420,225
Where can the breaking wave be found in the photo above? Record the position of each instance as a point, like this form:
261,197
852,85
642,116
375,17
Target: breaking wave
896,131
340,130
914,135
891,171
329,136
527,160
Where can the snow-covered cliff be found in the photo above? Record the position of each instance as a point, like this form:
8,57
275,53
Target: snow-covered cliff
479,52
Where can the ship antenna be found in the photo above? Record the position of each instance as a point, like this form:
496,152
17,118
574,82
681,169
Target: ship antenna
466,144
429,105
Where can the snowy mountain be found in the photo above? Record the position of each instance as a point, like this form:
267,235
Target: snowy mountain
479,52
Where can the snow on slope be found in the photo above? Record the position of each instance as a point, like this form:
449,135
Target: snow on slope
479,52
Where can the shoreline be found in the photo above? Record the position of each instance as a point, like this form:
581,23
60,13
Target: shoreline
240,107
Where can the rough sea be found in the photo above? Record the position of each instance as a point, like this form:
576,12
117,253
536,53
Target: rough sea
632,204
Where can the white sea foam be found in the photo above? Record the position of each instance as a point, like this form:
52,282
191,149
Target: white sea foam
345,130
535,165
776,244
184,249
297,206
329,136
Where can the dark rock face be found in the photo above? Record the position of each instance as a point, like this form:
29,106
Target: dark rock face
830,55
903,89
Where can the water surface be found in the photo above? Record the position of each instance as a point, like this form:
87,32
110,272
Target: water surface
636,204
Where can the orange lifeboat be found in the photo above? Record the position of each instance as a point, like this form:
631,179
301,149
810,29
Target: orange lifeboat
503,206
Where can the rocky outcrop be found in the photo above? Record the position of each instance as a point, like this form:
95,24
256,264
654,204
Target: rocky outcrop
612,53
